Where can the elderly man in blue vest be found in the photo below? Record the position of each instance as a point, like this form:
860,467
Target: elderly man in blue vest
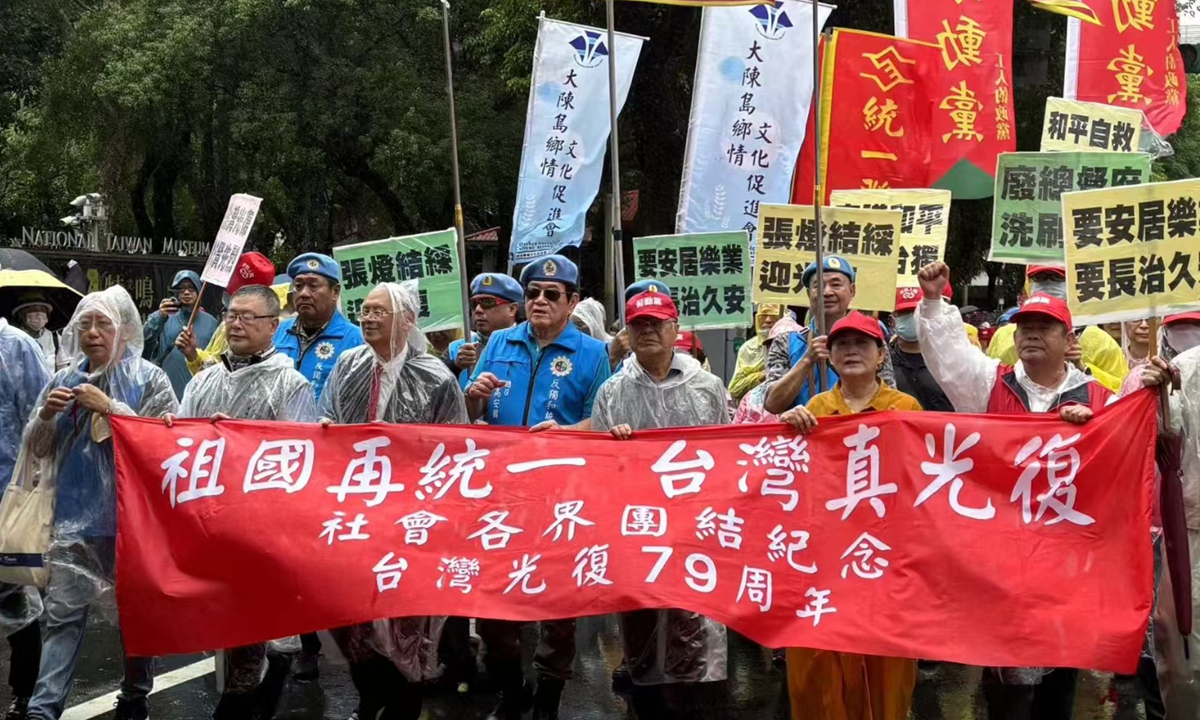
495,305
314,340
542,374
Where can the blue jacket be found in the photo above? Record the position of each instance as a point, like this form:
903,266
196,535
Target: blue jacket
318,360
558,382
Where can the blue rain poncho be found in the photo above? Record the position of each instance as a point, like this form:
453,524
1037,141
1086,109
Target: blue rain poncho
162,330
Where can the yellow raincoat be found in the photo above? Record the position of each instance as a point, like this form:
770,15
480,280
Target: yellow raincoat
751,368
828,685
1101,354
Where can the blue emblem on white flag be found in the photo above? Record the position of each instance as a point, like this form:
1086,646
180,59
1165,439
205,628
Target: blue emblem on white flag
566,134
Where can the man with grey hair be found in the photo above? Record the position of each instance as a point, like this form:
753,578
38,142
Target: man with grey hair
252,382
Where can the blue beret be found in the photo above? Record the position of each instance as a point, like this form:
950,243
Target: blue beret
831,263
642,286
315,263
497,285
552,268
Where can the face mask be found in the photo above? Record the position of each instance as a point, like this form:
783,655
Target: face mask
1183,337
1053,288
36,320
906,326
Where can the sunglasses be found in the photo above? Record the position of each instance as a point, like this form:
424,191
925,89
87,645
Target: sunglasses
552,295
487,303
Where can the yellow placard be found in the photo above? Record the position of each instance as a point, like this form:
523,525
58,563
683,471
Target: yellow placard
1073,125
924,221
786,244
1132,252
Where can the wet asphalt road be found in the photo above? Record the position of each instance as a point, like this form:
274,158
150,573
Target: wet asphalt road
754,690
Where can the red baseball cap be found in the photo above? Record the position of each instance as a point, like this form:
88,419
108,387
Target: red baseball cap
1046,305
651,304
857,322
1182,317
252,269
1052,269
908,298
688,341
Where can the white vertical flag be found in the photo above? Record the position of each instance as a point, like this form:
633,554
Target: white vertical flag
753,91
566,134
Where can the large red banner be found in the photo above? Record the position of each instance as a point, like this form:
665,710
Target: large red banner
973,115
1131,58
974,539
875,115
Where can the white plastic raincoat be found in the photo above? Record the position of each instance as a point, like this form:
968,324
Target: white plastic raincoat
412,388
667,646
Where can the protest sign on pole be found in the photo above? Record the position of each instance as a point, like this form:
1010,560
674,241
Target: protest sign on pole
1134,252
751,98
567,124
1087,126
924,223
568,524
1027,222
431,259
231,239
867,239
708,274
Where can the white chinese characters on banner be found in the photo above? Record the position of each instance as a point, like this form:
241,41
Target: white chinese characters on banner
750,105
566,131
231,239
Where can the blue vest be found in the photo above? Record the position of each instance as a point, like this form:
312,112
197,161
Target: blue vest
318,360
558,383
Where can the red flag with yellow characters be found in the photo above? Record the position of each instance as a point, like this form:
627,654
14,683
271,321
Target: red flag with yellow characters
875,110
1131,58
973,114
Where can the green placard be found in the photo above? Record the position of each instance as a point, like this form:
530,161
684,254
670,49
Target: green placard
709,274
429,258
1027,223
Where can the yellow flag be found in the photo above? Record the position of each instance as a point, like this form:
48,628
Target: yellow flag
1070,8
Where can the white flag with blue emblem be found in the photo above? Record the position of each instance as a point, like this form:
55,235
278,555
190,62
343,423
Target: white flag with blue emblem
753,91
566,134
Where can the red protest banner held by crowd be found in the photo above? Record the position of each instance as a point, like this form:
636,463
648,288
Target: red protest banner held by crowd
973,114
876,118
975,539
1130,57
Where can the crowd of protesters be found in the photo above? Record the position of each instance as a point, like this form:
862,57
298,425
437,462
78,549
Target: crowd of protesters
284,351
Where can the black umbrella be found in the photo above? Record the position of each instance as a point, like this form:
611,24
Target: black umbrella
11,259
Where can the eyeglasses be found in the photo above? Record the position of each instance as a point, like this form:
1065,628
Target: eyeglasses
645,324
244,318
487,303
102,325
373,314
552,295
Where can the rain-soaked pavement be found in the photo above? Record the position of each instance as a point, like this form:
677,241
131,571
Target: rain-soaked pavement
754,690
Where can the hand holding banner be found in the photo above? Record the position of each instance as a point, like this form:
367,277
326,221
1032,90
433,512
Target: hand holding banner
843,539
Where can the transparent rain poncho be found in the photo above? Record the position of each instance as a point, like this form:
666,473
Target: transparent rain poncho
267,390
667,646
23,374
591,312
74,452
408,387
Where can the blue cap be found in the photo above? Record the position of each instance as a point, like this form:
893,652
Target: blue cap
497,285
642,286
315,263
830,263
552,268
